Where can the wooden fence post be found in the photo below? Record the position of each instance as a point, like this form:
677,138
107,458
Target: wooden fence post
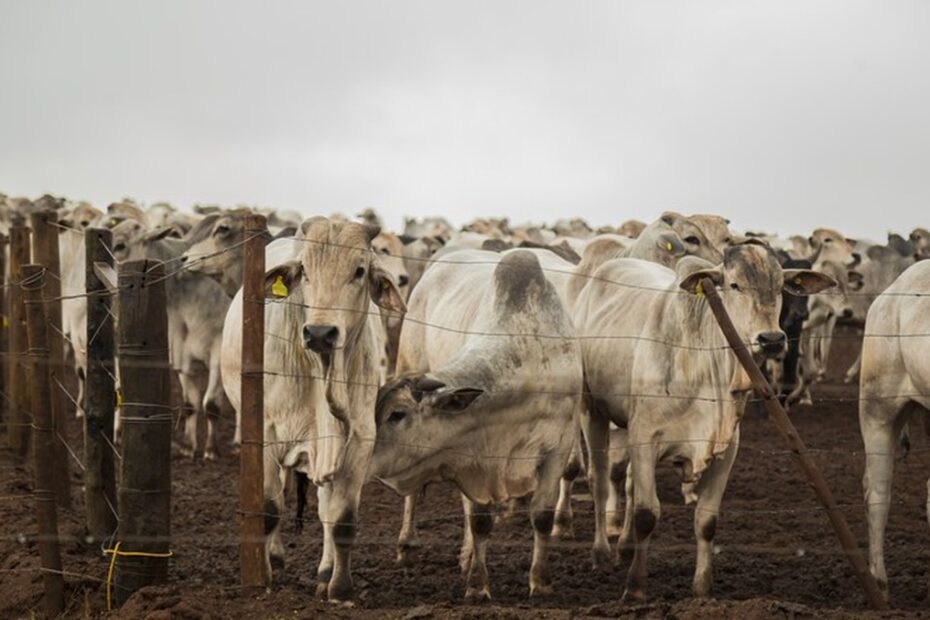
43,439
45,233
146,418
251,466
99,390
790,435
18,425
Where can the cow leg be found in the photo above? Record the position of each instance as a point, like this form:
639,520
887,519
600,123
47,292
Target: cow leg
879,432
853,373
542,516
646,511
273,509
407,541
597,435
478,525
342,513
826,341
191,396
563,509
82,387
618,458
211,405
324,571
625,544
710,491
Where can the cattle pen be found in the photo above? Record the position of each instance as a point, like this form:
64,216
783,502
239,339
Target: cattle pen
97,524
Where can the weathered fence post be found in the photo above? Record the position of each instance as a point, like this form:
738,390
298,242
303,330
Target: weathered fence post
144,491
18,425
45,252
99,390
790,434
4,330
43,439
251,466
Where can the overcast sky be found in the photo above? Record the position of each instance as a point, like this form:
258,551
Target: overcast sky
780,115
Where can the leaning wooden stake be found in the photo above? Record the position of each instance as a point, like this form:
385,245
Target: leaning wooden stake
18,425
43,440
142,545
4,324
788,432
99,390
45,233
251,467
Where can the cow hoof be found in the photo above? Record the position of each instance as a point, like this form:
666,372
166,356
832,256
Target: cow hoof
633,597
563,530
406,552
210,455
600,559
322,587
340,591
541,590
478,595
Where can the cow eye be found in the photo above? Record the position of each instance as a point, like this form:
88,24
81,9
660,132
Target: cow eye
396,416
384,251
84,223
828,240
692,240
734,286
119,247
221,230
359,273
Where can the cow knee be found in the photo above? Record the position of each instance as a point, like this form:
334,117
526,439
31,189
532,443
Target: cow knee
709,529
345,528
644,521
481,523
272,516
543,522
571,471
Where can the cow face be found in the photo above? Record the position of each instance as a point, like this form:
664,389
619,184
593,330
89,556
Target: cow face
920,238
750,282
218,247
338,275
80,217
128,241
408,411
390,251
830,245
704,236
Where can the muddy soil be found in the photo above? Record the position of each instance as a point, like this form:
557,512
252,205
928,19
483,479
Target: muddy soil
776,556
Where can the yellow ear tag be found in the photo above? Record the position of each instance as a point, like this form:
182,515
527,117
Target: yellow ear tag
797,280
119,397
279,288
668,246
6,322
113,222
699,290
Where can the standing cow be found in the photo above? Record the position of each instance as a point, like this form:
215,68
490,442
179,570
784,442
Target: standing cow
491,384
322,351
894,384
656,363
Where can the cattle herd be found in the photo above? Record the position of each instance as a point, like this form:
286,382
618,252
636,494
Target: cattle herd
511,360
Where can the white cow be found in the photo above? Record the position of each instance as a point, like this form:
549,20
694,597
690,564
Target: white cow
323,341
490,385
656,363
894,384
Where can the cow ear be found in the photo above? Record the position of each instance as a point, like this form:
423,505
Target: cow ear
384,291
159,233
281,280
454,401
670,217
670,243
692,283
806,282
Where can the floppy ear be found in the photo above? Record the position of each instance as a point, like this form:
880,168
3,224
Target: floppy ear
670,217
690,283
281,280
670,243
806,282
454,401
384,291
159,233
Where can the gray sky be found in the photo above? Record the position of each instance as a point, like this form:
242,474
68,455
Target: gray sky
780,115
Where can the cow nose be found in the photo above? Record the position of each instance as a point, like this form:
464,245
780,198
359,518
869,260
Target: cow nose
184,259
847,313
772,343
402,280
856,258
320,338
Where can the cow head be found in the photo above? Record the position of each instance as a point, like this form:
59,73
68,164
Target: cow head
128,240
217,247
751,282
338,275
390,251
920,238
408,410
704,236
830,245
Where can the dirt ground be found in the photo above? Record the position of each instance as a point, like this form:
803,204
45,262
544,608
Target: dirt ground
777,556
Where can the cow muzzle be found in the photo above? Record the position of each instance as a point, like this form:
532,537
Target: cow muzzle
320,338
772,344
